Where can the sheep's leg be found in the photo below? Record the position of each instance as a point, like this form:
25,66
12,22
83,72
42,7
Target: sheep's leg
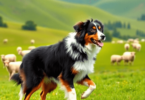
11,74
124,62
112,63
127,62
118,63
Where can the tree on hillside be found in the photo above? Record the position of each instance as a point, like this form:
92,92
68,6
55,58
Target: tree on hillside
128,26
1,23
142,17
108,36
116,33
124,25
29,25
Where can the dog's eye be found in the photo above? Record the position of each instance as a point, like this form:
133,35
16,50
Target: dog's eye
99,27
94,27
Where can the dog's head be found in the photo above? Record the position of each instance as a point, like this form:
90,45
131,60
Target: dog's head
90,32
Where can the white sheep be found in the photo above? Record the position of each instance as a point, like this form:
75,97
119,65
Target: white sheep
8,57
138,47
130,40
142,40
19,49
113,42
32,41
126,46
128,57
24,52
12,67
116,58
135,41
120,41
31,47
5,41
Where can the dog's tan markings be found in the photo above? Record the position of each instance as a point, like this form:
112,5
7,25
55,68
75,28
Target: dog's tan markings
88,81
88,38
47,88
74,71
33,90
79,24
23,78
65,83
94,27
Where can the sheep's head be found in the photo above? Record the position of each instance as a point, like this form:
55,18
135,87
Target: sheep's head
3,57
19,52
6,63
133,55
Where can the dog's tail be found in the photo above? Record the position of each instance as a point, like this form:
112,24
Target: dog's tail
16,78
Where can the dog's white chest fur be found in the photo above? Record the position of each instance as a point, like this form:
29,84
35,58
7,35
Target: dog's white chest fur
87,66
83,67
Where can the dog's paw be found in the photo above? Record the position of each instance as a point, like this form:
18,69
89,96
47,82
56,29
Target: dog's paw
84,95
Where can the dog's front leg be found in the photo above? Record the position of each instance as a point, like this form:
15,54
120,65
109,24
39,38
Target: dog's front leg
68,86
87,82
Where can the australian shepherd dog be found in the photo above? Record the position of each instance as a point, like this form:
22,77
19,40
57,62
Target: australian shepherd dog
69,61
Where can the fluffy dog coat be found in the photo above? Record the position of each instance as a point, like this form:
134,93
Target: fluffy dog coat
68,61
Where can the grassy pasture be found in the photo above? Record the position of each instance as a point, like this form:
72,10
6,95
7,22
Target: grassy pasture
113,82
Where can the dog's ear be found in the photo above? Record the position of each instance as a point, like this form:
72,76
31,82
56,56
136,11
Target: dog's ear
91,19
78,27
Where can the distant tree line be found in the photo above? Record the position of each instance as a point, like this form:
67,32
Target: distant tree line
116,34
142,17
118,24
1,23
140,33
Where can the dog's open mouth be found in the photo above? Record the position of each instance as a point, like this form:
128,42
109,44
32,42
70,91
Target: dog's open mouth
98,42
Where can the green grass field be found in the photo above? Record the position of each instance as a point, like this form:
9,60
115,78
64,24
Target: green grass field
113,82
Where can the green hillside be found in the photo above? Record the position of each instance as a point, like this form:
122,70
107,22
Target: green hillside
56,14
126,8
17,37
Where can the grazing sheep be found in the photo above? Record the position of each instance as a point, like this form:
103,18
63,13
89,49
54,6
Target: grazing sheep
12,67
19,49
138,47
116,58
130,40
5,41
8,57
120,41
113,42
135,41
142,40
24,52
32,41
31,47
126,46
128,57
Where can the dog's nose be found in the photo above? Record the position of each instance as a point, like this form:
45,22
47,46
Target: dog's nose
103,37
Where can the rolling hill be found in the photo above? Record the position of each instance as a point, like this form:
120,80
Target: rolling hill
61,17
17,37
126,8
56,14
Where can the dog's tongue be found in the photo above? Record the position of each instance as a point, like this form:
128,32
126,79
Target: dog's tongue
100,44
